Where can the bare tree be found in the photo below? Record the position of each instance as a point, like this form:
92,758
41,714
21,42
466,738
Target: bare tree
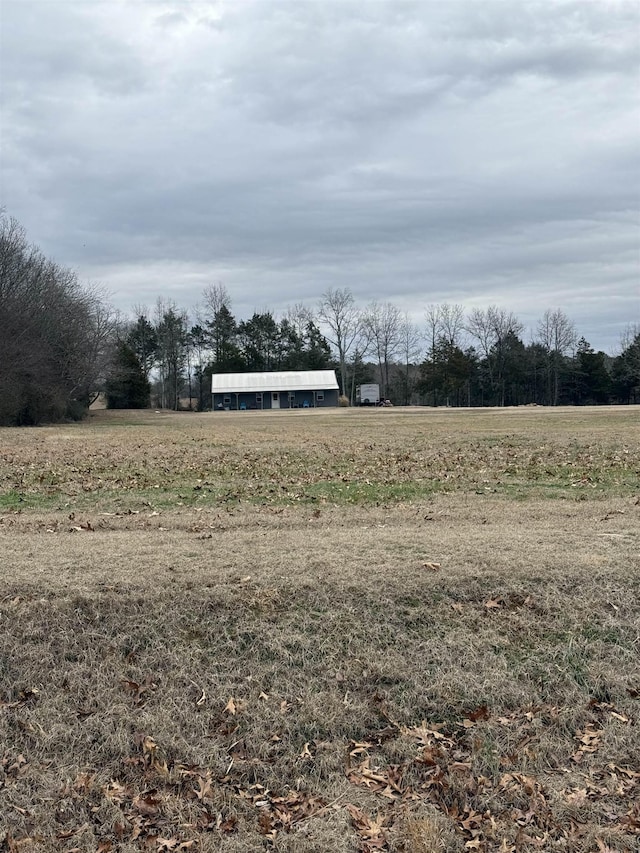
53,333
557,334
445,323
299,317
382,323
106,326
480,327
434,324
488,327
433,317
215,296
410,346
492,328
338,311
451,323
628,335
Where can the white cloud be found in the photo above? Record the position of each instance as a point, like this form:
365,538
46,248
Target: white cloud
475,152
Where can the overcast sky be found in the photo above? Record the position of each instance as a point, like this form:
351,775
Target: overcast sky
463,151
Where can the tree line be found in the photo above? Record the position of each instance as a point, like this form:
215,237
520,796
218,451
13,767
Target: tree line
62,343
164,359
457,358
55,335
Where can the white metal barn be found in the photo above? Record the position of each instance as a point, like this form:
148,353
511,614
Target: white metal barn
284,389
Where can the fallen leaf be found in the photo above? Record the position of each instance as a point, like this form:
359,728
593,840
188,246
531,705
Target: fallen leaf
204,788
167,843
480,713
227,825
147,804
69,833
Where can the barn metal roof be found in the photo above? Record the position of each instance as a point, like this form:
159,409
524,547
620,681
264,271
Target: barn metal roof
278,380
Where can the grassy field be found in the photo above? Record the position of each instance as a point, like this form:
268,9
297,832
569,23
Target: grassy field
380,630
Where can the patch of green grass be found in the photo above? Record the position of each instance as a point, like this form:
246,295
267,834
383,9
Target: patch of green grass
609,634
14,500
358,492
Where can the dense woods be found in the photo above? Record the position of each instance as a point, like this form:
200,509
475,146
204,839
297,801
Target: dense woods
61,344
55,335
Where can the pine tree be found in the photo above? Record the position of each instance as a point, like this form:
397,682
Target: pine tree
127,387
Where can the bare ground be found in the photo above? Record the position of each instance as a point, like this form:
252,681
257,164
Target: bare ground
286,645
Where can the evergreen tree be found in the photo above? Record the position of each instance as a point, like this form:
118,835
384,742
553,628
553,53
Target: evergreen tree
260,342
171,329
316,350
512,370
127,387
143,340
447,374
626,373
592,383
226,356
198,345
291,346
536,379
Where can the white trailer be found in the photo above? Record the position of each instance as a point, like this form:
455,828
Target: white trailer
368,395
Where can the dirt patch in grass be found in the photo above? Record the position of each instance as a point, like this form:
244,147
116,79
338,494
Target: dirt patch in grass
454,673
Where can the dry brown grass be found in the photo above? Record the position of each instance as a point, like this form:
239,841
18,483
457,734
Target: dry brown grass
299,670
122,461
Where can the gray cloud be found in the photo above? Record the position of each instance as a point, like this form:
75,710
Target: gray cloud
419,152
